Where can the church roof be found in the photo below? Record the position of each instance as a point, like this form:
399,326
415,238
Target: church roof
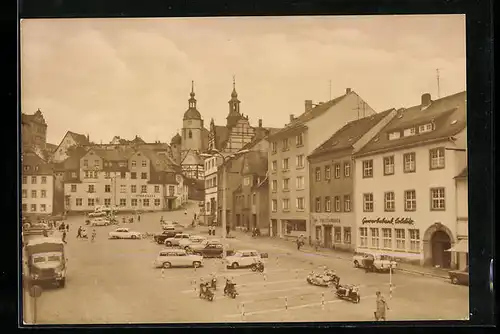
192,113
177,139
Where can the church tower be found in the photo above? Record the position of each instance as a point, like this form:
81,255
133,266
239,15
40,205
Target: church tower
192,126
234,107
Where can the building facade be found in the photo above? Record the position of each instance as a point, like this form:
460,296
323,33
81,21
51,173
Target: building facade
461,249
331,181
405,184
69,142
211,185
33,130
288,164
37,185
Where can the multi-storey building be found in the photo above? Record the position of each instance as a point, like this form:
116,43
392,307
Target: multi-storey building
33,130
211,182
251,198
405,182
331,180
461,248
288,159
70,141
37,185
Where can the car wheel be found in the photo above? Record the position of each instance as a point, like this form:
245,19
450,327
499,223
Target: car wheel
454,280
234,265
167,265
196,264
356,264
62,283
168,244
134,237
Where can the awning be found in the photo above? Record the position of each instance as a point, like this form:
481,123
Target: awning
462,246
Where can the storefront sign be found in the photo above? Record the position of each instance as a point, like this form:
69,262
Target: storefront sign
392,221
145,196
327,221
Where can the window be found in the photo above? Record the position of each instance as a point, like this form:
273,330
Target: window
144,163
389,202
33,207
400,238
133,202
107,175
425,128
328,204
107,188
79,202
144,176
318,174
274,205
274,166
33,194
368,202
299,182
300,140
410,200
25,207
85,163
387,238
375,237
157,202
43,193
409,132
133,163
389,165
25,179
90,202
285,164
363,236
145,202
171,191
274,146
300,203
107,201
274,185
347,235
327,173
414,240
285,184
246,181
436,157
144,189
33,180
286,204
437,199
157,189
73,174
347,169
409,162
318,204
347,203
44,178
367,168
25,193
285,144
394,135
190,134
337,235
337,203
133,175
123,175
337,171
123,188
133,189
96,163
299,161
123,201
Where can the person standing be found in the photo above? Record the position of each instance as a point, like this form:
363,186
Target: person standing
317,244
185,212
139,218
381,307
64,236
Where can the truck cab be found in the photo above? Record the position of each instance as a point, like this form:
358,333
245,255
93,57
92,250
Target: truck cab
45,261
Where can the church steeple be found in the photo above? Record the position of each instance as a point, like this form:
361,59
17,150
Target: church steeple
192,112
192,100
234,107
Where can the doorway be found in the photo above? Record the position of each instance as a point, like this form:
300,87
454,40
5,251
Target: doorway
440,242
170,204
254,219
274,226
328,237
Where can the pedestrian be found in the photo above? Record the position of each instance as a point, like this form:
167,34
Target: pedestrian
138,218
195,216
67,227
317,244
79,233
93,235
210,230
64,236
228,229
185,212
382,306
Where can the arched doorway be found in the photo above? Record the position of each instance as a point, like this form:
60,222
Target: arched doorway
440,242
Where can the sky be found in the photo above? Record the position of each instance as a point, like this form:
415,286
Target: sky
127,77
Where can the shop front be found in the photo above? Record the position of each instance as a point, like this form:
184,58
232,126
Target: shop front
147,202
333,231
294,227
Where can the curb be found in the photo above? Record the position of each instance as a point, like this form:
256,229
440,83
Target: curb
420,273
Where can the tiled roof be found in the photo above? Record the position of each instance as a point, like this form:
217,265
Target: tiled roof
309,115
115,155
463,174
73,161
177,139
36,165
161,162
50,147
79,138
448,115
348,135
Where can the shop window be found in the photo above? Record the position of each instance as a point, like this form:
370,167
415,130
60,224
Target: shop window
400,239
363,236
375,237
387,238
347,235
414,240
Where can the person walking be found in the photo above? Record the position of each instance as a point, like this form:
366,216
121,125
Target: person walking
317,244
79,233
382,306
64,236
93,235
139,218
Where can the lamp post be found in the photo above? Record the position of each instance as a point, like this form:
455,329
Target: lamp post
215,152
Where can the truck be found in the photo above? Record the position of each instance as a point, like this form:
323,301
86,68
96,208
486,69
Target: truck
45,261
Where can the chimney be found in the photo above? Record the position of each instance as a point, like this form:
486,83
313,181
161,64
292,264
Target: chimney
347,91
308,105
260,123
426,100
88,137
292,117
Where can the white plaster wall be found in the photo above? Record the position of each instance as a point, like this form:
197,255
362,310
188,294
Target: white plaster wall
48,200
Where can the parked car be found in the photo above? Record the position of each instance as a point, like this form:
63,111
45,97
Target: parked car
124,233
100,222
168,258
161,237
194,239
207,249
459,276
169,242
243,258
379,262
98,214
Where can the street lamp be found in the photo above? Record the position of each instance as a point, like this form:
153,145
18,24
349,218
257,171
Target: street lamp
213,153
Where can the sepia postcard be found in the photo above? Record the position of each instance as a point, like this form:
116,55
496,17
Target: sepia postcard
244,169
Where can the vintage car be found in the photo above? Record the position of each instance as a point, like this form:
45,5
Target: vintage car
100,222
170,224
206,249
459,276
168,258
194,239
124,233
376,262
243,258
169,242
325,279
98,214
161,237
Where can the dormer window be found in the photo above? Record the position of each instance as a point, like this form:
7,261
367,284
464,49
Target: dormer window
394,135
410,132
425,128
